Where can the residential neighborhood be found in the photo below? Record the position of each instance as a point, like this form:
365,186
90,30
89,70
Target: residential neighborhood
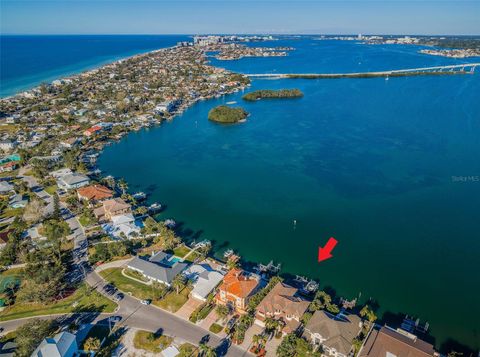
91,267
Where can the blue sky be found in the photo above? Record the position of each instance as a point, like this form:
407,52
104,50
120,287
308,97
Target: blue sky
232,16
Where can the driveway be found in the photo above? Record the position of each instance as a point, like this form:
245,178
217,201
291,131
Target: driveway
253,330
186,310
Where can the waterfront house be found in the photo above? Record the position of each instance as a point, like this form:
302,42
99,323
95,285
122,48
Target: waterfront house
160,267
92,130
94,193
73,181
237,288
63,344
204,279
284,304
110,208
334,333
387,342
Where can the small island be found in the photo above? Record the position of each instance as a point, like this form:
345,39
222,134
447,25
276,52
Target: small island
273,94
227,115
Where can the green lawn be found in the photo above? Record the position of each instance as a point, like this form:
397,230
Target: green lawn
85,221
139,290
181,251
173,301
85,299
11,212
187,350
51,189
215,328
135,274
151,342
191,258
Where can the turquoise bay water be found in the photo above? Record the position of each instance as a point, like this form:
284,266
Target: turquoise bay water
374,163
27,61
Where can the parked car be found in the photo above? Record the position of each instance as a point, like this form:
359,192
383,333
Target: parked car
146,302
118,297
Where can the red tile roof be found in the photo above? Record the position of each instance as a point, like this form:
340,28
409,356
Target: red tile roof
95,192
237,283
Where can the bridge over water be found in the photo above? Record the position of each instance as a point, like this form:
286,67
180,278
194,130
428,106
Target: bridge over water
468,68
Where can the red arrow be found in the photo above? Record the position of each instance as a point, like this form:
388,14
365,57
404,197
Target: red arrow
326,252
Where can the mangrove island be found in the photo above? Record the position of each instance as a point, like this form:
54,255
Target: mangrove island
273,94
226,114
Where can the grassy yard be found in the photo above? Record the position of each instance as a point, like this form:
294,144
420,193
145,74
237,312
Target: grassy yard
191,258
85,300
181,251
51,189
85,221
151,342
135,274
173,301
11,212
215,328
139,290
187,350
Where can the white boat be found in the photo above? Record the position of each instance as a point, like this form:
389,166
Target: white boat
139,195
231,102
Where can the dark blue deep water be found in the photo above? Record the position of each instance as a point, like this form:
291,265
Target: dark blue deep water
27,61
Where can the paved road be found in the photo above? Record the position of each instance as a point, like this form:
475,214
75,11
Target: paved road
133,313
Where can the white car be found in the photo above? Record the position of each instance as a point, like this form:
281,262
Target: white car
146,302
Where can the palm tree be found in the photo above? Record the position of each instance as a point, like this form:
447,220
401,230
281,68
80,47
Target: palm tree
123,185
179,282
92,344
222,311
207,351
271,324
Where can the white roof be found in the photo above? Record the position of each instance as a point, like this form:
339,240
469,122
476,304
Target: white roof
123,219
170,351
204,279
62,172
5,186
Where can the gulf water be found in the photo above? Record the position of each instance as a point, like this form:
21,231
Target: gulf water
27,61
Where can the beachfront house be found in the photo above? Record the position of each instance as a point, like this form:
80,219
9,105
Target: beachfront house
283,304
237,288
160,267
333,333
387,342
72,181
204,279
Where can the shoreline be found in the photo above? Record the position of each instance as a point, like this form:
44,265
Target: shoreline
184,106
